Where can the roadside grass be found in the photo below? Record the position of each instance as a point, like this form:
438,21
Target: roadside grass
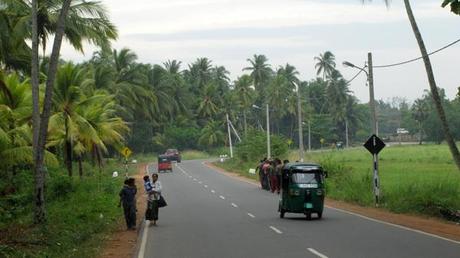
81,214
194,154
418,179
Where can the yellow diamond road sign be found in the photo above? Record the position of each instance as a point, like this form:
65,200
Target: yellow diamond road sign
126,152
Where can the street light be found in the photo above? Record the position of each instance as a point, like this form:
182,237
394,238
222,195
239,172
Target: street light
370,79
268,129
299,115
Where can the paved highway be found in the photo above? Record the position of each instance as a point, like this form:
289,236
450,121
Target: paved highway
212,215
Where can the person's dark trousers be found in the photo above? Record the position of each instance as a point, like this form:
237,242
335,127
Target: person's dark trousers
130,215
155,210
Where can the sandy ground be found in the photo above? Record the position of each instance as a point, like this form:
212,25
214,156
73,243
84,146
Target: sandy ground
122,243
429,225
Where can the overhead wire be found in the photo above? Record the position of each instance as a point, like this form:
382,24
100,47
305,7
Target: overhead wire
418,58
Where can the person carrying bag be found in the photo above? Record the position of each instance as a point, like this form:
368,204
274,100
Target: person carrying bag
155,200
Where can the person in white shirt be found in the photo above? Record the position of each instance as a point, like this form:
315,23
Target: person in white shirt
155,197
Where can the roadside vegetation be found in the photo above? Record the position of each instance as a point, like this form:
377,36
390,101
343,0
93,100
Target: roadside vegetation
81,213
415,179
63,124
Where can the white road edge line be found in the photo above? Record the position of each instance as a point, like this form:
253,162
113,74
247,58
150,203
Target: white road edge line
221,197
250,215
234,205
394,225
276,230
317,253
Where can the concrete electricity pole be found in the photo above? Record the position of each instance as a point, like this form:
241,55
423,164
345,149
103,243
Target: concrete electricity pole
371,93
299,115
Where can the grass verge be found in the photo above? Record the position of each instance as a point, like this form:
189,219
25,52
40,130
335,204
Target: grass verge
414,179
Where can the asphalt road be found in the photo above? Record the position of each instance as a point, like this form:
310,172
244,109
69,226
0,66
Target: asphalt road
213,215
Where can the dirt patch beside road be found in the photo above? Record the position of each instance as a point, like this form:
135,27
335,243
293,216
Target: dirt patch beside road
428,225
122,243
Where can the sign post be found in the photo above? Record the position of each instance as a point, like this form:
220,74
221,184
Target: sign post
126,152
374,145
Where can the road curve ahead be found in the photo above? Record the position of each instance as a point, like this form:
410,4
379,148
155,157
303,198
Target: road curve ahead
213,215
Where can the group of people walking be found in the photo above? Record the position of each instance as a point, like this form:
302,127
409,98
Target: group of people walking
270,174
154,200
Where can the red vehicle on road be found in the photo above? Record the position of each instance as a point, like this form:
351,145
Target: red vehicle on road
164,164
173,155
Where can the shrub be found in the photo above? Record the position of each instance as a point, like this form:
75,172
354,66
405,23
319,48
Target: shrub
254,146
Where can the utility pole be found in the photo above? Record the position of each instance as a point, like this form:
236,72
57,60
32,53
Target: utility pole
309,135
229,137
268,133
376,178
299,114
371,94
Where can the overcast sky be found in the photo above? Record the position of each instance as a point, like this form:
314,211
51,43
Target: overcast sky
293,31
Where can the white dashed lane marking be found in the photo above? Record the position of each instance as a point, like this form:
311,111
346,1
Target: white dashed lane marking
250,215
221,197
212,191
276,230
234,205
320,255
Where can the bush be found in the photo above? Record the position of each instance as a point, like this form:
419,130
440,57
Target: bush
60,186
254,146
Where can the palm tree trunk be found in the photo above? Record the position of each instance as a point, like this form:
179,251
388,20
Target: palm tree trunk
68,148
39,167
80,167
346,133
434,90
245,124
420,133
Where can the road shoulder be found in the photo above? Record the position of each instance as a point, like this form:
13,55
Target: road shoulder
427,225
123,243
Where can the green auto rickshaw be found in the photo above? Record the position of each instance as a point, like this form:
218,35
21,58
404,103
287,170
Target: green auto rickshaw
303,189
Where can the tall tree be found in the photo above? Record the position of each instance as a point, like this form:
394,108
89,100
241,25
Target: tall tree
432,82
244,96
260,71
420,111
39,168
325,64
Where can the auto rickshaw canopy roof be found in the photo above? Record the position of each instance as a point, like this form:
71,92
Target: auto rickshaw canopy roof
302,167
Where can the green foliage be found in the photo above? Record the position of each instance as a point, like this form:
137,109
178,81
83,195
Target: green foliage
254,146
75,227
454,5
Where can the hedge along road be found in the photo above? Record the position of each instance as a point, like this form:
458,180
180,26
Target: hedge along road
213,215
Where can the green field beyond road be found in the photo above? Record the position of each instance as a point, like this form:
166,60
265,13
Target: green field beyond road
419,179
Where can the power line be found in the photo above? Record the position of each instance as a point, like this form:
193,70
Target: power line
354,77
418,58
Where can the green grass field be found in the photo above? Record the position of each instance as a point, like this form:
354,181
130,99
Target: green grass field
414,179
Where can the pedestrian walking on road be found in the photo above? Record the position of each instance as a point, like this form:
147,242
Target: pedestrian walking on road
128,200
154,198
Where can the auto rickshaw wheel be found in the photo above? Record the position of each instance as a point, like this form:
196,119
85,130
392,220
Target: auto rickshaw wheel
282,214
320,215
308,216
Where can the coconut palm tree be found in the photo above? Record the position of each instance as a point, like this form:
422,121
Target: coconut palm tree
432,82
325,64
212,134
245,96
67,96
260,71
420,112
454,5
85,21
